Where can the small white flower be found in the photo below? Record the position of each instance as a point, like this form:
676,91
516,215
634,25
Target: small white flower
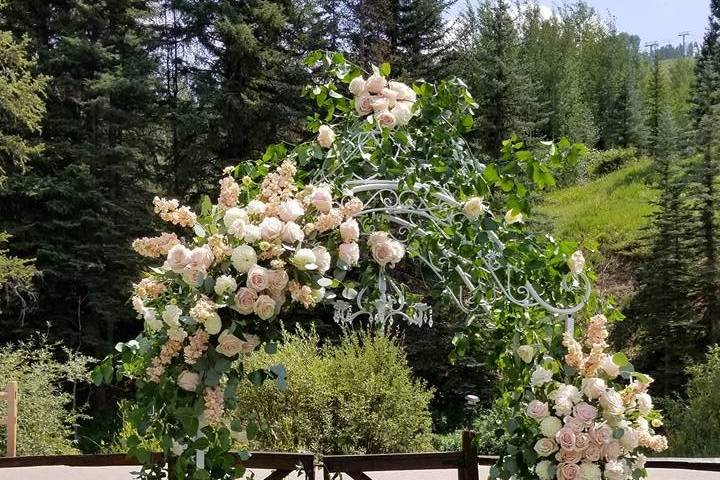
243,257
171,315
576,262
256,207
225,284
304,259
474,208
326,136
526,353
540,376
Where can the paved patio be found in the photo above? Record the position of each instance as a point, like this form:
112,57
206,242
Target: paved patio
123,473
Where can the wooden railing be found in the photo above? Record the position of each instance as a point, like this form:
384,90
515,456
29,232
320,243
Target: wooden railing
9,395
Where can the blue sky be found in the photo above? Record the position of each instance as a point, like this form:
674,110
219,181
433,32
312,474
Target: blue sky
652,20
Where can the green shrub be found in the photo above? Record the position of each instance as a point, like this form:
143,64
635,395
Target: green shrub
602,162
355,397
693,422
45,420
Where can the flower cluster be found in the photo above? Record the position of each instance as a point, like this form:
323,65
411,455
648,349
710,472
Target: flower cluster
215,295
592,425
390,102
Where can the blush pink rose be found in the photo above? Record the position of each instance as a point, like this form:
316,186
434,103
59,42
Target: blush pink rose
537,410
201,257
611,451
245,300
349,253
386,119
565,437
582,441
188,380
575,424
292,233
290,210
569,456
321,199
592,453
601,434
568,471
363,104
350,230
278,280
257,278
178,258
545,447
585,412
271,228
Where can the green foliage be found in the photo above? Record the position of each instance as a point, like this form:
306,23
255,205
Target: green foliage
608,213
601,162
694,419
47,413
358,396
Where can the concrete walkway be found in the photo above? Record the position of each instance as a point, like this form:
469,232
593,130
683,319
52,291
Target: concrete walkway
123,473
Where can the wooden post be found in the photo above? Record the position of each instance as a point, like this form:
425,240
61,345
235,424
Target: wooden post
470,456
10,396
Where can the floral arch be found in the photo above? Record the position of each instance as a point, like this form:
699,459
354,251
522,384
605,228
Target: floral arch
389,180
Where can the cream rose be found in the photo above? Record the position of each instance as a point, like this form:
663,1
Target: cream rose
213,324
474,208
545,447
225,284
349,253
363,104
592,388
234,214
576,262
568,471
256,208
326,136
526,353
537,410
540,377
178,258
542,470
271,228
243,258
278,280
350,230
375,83
611,402
644,403
290,210
549,426
402,112
304,259
380,104
404,91
321,199
388,251
257,278
188,380
609,367
245,300
386,119
265,307
630,439
292,233
322,259
228,344
252,233
201,258
357,86
171,315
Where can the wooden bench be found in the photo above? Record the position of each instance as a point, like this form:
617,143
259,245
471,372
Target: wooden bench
9,395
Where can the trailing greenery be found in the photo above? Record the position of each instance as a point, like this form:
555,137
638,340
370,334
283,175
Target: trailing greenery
358,396
47,412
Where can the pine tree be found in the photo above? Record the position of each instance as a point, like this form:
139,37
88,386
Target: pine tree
656,100
706,112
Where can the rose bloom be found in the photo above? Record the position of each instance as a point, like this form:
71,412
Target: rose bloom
188,380
357,86
615,470
213,324
326,136
375,83
542,469
601,434
137,304
403,112
609,367
178,257
644,403
540,377
549,426
265,307
611,450
171,315
391,96
593,387
574,424
304,259
201,257
380,104
537,410
388,251
611,402
237,229
386,119
252,233
234,214
349,253
192,275
569,456
545,447
257,278
321,199
582,441
565,437
576,262
474,207
243,258
350,230
150,317
568,471
404,92
271,228
630,439
278,280
590,471
592,453
526,353
228,344
363,104
256,207
292,233
245,300
290,210
322,259
585,412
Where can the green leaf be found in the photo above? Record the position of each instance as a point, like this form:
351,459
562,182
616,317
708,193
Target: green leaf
620,359
385,69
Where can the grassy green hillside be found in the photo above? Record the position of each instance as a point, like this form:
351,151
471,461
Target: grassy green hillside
607,213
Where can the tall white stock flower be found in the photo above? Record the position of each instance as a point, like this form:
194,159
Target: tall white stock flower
243,257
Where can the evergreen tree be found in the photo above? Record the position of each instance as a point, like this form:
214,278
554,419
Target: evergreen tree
656,100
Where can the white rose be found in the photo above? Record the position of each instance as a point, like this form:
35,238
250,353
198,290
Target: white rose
357,86
615,470
375,83
243,258
290,210
403,112
380,104
178,258
193,275
630,439
151,319
405,92
526,353
350,230
252,233
213,324
512,217
386,119
545,447
475,207
349,253
225,284
593,387
137,304
233,214
228,344
171,315
537,410
257,278
326,136
611,402
237,229
292,233
245,300
576,262
201,257
322,259
609,367
388,251
271,228
540,377
542,470
304,259
644,403
265,307
322,199
391,96
188,380
256,207
549,426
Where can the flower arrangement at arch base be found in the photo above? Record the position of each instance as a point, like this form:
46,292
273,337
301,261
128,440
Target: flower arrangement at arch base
587,415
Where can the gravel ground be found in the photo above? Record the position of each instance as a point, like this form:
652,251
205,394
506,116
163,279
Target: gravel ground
123,473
